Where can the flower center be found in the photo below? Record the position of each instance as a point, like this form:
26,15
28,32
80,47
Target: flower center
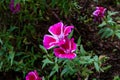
67,51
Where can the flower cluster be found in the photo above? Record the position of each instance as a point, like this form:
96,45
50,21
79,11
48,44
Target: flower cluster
59,37
33,75
99,14
14,8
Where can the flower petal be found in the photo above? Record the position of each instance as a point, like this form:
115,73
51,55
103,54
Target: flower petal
66,45
73,45
56,29
96,12
61,54
69,45
11,5
70,56
17,8
31,76
61,42
49,41
99,11
68,30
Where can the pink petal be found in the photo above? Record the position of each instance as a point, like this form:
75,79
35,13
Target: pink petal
73,45
100,8
69,45
12,5
68,30
99,11
35,72
37,76
31,76
17,8
56,29
66,45
70,56
49,41
96,12
61,54
97,7
61,42
103,11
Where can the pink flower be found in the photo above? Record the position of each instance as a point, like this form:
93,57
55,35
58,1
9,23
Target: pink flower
59,32
14,8
66,50
99,13
33,75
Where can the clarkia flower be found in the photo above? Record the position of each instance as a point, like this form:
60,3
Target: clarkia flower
33,75
59,32
66,50
99,14
14,8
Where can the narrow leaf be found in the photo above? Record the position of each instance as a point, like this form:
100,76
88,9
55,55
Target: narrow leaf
71,34
82,50
97,66
46,61
79,41
43,48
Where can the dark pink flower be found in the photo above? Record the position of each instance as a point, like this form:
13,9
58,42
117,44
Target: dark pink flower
14,8
99,13
66,50
33,75
59,32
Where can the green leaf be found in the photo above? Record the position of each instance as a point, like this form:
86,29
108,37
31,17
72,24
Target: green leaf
52,72
11,56
1,42
117,33
106,32
96,63
86,60
45,62
71,34
79,41
56,67
95,1
12,28
1,64
116,77
56,59
64,71
85,72
111,23
102,24
107,67
82,50
43,49
97,66
53,3
96,58
54,78
1,52
43,78
112,13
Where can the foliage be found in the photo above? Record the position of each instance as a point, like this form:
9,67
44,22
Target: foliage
108,27
81,66
116,77
21,36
